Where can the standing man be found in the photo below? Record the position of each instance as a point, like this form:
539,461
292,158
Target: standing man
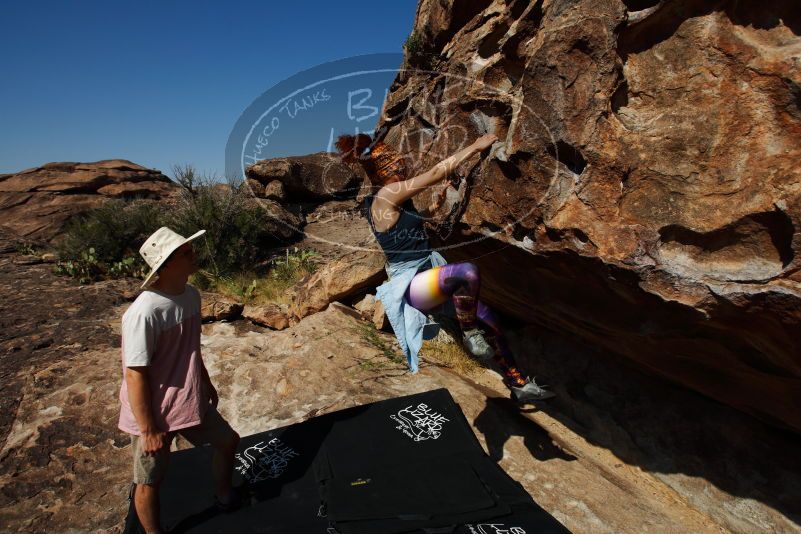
166,389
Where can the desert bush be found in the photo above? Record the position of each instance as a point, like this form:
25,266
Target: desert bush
26,248
452,356
294,266
104,242
85,268
417,53
270,285
115,230
238,232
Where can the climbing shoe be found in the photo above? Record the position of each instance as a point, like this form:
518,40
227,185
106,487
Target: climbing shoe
476,345
530,392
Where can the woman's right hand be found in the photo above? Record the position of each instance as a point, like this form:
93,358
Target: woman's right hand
484,142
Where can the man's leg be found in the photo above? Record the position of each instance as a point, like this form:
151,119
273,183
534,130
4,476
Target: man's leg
216,431
146,501
222,467
148,474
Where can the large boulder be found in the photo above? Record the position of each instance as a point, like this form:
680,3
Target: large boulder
36,203
337,280
319,176
365,306
216,307
275,190
270,315
645,192
284,224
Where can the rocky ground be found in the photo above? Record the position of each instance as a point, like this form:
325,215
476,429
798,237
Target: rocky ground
617,451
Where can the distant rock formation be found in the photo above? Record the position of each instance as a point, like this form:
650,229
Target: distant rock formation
36,203
319,176
646,191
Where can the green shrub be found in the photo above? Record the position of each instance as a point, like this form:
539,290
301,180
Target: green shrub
130,266
115,230
86,268
294,265
417,53
413,44
26,248
252,287
238,232
104,242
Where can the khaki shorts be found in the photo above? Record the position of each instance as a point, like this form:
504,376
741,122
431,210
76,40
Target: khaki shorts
213,429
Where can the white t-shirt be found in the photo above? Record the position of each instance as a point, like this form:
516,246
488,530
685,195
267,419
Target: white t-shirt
162,332
152,313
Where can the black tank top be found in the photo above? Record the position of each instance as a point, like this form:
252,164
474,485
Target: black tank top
405,241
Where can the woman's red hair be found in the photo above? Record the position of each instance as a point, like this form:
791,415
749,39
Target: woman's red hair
383,165
351,147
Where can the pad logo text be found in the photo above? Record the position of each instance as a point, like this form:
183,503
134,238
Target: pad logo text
264,460
419,423
494,528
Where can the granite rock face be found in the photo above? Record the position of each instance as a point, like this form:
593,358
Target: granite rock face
36,203
218,307
644,192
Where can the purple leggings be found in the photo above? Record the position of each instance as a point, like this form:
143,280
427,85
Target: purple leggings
460,282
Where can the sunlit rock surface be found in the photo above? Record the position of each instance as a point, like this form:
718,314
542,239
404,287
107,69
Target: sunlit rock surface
37,203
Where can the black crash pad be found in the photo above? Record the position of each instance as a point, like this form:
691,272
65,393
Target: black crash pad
409,464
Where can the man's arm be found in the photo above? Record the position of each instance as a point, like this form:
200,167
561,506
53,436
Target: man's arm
138,381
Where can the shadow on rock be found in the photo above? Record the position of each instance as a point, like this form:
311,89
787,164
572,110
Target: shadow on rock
501,419
718,458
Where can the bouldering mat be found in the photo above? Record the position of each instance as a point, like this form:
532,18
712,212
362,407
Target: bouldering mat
408,464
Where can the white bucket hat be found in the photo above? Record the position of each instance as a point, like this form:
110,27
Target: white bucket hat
160,245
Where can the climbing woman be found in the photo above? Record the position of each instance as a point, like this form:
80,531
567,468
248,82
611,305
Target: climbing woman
420,280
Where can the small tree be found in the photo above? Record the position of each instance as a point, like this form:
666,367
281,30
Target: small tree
186,177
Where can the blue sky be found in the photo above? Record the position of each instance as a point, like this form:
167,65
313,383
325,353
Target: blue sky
163,83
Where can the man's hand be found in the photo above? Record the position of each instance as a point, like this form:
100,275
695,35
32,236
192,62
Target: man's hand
138,380
152,442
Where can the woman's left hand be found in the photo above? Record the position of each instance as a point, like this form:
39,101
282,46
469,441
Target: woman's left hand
485,141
